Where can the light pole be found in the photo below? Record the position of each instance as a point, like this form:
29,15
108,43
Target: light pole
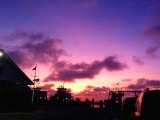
1,54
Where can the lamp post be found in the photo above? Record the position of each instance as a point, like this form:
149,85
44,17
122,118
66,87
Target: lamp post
1,54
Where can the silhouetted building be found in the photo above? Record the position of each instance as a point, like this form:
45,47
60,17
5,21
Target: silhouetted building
62,96
39,96
14,89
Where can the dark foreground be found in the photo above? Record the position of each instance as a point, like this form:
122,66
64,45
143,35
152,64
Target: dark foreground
58,114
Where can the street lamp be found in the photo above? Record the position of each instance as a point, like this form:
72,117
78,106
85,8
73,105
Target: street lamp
1,54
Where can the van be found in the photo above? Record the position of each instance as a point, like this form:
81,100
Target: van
147,106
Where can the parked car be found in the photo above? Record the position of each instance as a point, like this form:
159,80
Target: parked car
147,105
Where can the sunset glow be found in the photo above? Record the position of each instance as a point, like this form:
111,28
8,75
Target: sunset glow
87,45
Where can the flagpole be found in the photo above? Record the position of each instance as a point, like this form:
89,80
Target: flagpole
35,75
34,84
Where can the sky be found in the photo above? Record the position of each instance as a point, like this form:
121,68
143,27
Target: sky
86,45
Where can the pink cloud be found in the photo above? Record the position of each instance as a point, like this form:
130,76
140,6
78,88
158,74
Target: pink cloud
138,60
152,51
98,93
48,88
127,80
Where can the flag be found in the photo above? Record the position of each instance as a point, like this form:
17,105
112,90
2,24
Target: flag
34,68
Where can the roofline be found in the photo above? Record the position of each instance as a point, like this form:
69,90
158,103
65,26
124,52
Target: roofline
13,63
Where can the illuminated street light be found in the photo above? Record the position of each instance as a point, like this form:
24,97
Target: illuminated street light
1,54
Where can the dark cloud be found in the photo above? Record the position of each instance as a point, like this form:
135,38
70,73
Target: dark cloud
144,83
153,31
48,88
1,46
101,89
65,71
26,36
30,48
152,51
138,60
98,93
112,64
127,80
21,59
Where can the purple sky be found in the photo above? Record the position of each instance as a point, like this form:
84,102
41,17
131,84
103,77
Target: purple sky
84,42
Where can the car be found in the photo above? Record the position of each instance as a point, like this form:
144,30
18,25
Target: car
147,106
